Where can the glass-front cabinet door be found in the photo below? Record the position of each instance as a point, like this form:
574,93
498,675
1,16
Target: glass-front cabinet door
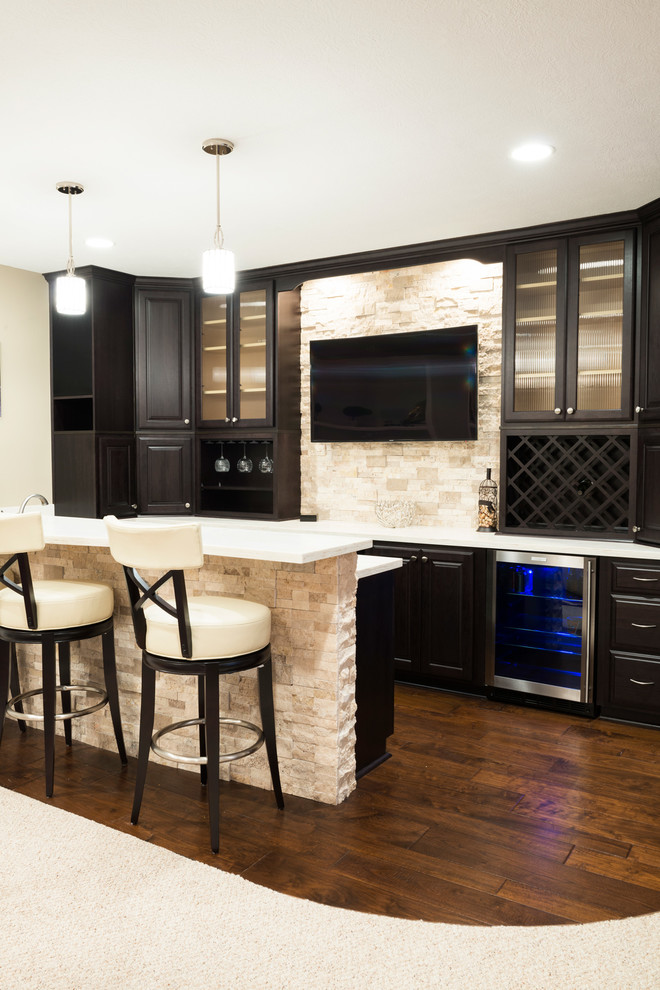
535,359
600,304
235,359
568,344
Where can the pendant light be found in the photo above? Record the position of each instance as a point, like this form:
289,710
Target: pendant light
218,270
70,289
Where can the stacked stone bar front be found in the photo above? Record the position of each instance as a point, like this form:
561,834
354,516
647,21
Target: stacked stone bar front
313,642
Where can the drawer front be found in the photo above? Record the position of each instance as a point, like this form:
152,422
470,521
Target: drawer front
636,625
632,578
636,683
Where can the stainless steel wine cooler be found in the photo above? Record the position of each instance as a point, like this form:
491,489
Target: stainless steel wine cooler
541,625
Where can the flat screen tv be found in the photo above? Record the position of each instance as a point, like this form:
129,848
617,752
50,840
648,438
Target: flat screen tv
420,385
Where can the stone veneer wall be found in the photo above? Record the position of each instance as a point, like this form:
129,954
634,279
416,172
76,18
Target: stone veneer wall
343,481
313,646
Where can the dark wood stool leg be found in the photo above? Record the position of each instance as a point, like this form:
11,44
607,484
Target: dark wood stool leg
212,726
147,703
49,683
110,675
265,675
202,728
5,663
14,682
64,658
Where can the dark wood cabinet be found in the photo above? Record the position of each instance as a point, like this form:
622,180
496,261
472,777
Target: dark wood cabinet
374,670
165,474
568,330
439,613
268,488
249,359
628,671
117,476
92,376
164,355
648,362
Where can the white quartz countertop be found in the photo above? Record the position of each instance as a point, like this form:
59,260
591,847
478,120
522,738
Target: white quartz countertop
268,542
294,541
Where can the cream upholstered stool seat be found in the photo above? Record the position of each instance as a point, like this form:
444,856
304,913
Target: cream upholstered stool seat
205,636
52,613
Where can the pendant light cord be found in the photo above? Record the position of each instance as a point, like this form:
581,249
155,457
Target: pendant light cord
218,237
70,269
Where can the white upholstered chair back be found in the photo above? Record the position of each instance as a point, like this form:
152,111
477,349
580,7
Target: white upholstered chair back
21,533
153,547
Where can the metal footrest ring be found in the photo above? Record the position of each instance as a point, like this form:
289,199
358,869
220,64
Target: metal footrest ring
30,717
199,760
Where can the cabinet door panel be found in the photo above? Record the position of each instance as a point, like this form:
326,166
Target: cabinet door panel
164,361
448,614
406,604
534,339
116,476
599,328
165,474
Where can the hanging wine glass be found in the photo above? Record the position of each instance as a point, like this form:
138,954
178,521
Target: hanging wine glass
266,465
244,464
222,465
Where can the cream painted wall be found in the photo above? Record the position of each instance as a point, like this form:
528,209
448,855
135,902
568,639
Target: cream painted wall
25,459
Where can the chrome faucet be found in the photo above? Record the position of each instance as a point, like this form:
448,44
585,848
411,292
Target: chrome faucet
42,499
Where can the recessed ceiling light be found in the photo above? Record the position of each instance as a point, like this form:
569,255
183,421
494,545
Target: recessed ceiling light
99,242
535,151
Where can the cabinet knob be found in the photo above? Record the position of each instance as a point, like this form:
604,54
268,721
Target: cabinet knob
413,558
639,409
570,411
227,419
234,419
557,411
186,421
134,507
636,529
425,560
187,506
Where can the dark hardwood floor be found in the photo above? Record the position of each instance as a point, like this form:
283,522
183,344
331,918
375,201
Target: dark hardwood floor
486,814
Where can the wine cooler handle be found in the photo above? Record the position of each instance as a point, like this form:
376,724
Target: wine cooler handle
587,632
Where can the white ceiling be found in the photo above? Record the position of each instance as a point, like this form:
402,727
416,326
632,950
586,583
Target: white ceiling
358,124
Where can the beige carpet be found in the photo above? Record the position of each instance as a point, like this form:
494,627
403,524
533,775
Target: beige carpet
86,908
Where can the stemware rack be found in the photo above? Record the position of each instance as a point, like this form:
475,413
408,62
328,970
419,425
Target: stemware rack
236,492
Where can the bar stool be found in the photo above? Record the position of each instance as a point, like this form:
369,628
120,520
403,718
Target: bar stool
53,614
205,636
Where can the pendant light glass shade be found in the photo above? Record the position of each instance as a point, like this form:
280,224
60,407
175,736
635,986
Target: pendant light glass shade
218,266
218,271
70,289
70,295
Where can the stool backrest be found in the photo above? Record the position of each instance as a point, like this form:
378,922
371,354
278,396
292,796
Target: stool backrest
167,550
19,534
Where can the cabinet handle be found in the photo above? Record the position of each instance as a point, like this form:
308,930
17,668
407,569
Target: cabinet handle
425,560
570,411
641,625
635,578
187,506
186,421
642,683
639,409
557,411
